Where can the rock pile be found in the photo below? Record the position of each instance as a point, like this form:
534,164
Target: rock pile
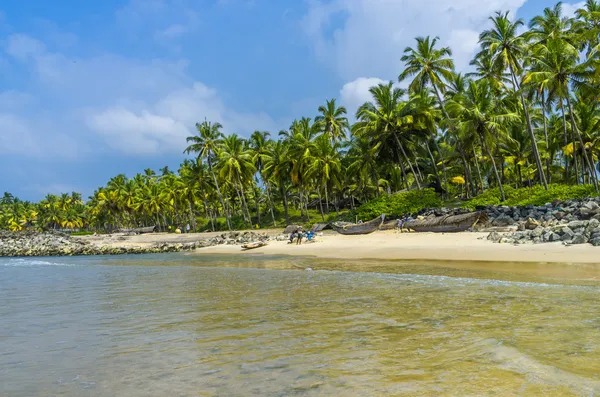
574,232
233,238
30,243
570,222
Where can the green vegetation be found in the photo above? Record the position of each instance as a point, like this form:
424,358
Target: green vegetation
535,195
397,205
528,115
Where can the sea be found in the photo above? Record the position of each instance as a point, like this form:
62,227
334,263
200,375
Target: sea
255,325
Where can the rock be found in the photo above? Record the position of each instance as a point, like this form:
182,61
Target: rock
576,224
578,239
595,242
552,237
502,220
537,232
531,224
494,237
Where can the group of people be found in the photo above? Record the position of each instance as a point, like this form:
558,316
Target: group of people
401,221
299,235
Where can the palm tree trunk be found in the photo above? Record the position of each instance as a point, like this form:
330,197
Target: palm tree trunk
327,198
548,160
285,204
437,175
536,154
408,161
565,141
321,204
589,163
244,203
417,165
270,202
478,169
212,172
484,144
443,166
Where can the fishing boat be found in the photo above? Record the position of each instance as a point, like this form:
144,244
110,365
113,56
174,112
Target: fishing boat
447,223
358,228
250,246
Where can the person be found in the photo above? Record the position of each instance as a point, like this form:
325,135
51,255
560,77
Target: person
399,225
299,235
187,228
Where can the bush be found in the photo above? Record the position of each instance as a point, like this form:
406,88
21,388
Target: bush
535,195
396,205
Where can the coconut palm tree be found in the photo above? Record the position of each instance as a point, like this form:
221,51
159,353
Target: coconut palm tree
333,120
482,113
206,144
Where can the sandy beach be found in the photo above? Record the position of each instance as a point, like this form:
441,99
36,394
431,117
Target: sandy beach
388,245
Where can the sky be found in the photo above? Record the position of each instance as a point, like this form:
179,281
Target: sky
89,90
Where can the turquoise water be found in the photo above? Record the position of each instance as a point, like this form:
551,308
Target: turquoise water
184,325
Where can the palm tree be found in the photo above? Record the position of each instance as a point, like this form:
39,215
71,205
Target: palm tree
260,145
480,112
278,164
383,120
507,48
558,68
235,162
333,120
206,144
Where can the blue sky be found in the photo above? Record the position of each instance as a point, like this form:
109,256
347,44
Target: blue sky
93,89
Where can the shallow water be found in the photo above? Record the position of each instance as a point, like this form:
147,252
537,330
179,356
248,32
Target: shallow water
182,325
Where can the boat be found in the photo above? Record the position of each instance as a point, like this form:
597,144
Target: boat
447,223
389,225
358,228
140,230
250,246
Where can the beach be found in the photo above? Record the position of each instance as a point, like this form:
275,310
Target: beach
383,245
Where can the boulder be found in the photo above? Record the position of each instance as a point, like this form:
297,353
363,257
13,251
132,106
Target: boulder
578,239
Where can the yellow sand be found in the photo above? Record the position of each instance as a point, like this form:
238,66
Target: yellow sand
435,246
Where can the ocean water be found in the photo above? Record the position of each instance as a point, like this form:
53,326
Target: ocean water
186,325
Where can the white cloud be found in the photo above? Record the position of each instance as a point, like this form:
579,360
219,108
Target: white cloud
374,33
133,106
569,9
355,93
164,125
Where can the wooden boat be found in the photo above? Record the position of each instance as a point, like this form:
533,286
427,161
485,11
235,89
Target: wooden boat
140,230
389,225
447,223
358,228
250,246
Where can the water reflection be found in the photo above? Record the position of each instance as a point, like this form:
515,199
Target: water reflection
135,327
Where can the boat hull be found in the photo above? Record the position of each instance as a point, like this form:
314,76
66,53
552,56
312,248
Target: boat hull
358,228
447,223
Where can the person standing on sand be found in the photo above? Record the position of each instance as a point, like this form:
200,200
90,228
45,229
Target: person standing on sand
187,228
299,236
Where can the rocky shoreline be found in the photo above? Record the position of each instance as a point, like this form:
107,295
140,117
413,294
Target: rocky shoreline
31,243
571,222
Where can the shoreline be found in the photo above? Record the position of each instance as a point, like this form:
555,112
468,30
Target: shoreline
390,245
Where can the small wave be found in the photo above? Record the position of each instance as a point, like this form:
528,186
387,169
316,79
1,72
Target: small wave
24,262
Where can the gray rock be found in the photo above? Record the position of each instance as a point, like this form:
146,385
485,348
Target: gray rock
552,237
595,242
576,224
494,237
537,232
578,239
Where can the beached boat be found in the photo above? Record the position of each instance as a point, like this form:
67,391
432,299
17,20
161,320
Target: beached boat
140,230
358,228
389,225
447,223
257,244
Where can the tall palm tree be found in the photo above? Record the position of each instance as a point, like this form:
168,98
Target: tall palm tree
333,120
558,68
507,47
260,145
206,144
236,165
278,165
482,113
